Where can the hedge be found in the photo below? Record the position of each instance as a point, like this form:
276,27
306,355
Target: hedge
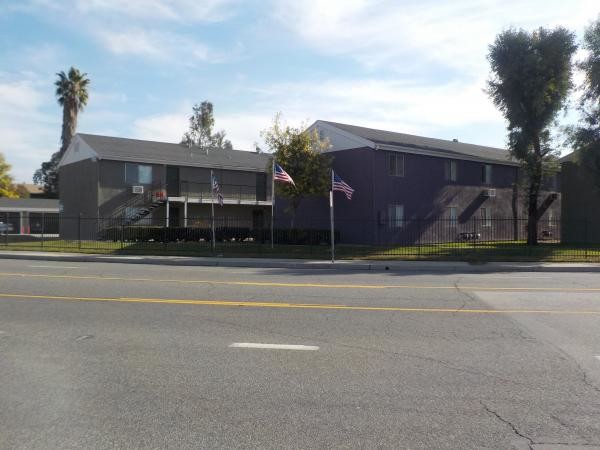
173,234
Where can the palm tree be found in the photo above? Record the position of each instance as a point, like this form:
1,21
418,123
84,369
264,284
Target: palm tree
72,95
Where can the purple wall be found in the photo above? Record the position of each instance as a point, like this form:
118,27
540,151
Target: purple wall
425,194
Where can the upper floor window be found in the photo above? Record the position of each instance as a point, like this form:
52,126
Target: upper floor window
395,216
486,174
450,170
486,217
452,214
138,174
396,164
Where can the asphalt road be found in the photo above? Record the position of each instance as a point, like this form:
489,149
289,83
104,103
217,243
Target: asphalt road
97,355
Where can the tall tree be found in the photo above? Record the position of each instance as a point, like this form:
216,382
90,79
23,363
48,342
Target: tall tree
7,188
200,133
531,78
301,153
585,138
72,95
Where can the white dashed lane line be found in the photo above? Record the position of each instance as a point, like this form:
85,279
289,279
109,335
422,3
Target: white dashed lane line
273,346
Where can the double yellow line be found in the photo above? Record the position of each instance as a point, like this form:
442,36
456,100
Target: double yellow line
231,303
298,285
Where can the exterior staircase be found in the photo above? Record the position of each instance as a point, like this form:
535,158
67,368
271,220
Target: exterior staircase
140,206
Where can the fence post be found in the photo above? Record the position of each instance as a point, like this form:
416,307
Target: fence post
43,227
79,231
587,238
419,225
122,237
6,230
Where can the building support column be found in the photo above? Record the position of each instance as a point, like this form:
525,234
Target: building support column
167,214
185,212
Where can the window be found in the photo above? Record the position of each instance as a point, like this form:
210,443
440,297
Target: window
551,221
138,174
486,174
453,217
486,217
395,216
396,164
450,170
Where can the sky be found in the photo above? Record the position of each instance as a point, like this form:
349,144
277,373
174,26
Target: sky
416,67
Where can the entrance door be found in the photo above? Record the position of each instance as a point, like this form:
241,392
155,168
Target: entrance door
173,181
258,219
261,187
173,216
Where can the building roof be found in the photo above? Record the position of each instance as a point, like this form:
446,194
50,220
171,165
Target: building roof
33,188
135,150
26,204
571,157
420,144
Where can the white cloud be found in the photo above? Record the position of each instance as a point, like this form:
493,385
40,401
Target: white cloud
156,45
388,104
167,127
185,11
409,35
164,10
25,129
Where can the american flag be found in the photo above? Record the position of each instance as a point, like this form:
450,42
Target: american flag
340,185
217,190
282,175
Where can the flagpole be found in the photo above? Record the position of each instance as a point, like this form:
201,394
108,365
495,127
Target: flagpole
272,200
212,209
331,220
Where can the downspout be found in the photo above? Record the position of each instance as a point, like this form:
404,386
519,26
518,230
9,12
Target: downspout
374,214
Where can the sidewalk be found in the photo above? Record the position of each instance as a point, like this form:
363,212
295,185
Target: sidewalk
344,265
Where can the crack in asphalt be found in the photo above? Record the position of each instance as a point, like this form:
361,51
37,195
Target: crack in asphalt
513,427
319,340
530,441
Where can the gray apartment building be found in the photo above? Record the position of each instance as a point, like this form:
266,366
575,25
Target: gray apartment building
110,180
412,189
580,199
408,189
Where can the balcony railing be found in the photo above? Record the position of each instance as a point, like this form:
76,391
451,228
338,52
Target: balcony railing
231,192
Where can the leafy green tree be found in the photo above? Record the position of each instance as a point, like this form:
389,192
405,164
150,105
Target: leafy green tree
72,95
301,153
531,78
200,133
6,182
585,138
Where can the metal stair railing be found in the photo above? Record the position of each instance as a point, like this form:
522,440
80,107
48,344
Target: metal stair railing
155,194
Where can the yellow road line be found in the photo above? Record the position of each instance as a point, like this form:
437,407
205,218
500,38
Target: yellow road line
299,285
297,305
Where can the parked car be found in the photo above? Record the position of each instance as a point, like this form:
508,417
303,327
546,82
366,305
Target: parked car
5,228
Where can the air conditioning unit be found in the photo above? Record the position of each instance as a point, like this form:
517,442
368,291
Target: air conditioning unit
489,192
137,189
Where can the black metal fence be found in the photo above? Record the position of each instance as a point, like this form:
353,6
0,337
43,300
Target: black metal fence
475,239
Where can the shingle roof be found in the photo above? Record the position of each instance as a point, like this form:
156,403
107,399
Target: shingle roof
123,149
26,203
440,146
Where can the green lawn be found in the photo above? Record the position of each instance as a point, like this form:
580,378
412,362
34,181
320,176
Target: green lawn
460,251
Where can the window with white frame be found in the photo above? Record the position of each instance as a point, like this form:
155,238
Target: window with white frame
395,216
138,174
450,170
486,217
395,164
486,174
452,214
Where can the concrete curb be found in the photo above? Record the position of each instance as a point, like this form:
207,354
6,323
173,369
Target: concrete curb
299,264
